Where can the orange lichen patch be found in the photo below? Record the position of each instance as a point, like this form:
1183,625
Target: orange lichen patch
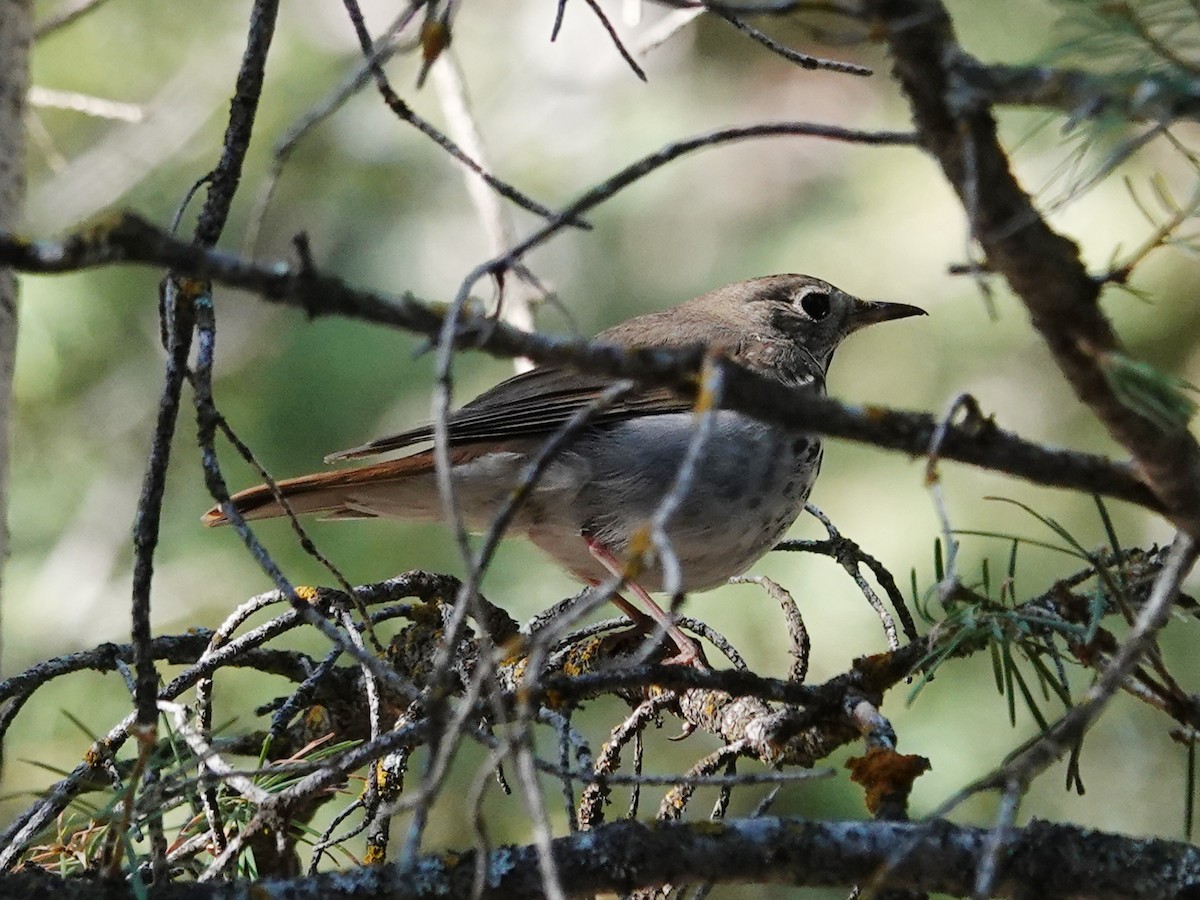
513,649
706,397
586,656
435,37
886,775
317,721
429,613
192,289
676,800
713,705
878,670
518,669
307,593
640,543
381,774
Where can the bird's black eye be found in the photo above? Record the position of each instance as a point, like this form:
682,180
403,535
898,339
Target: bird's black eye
816,305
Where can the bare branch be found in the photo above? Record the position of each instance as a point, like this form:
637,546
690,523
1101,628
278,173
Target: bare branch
129,239
803,60
407,114
1043,267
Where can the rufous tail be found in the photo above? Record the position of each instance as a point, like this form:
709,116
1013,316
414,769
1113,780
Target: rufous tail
333,493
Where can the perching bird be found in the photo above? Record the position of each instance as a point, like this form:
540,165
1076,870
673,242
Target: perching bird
752,480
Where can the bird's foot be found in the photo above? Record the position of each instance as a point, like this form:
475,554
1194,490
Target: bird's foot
690,653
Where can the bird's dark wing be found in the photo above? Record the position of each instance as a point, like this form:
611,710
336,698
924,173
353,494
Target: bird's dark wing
533,404
538,402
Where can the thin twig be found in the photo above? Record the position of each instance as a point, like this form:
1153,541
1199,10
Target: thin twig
132,240
406,113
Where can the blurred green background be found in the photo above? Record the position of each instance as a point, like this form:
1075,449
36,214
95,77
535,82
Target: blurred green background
385,209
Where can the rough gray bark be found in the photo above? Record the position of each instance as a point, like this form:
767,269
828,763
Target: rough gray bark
16,31
1044,860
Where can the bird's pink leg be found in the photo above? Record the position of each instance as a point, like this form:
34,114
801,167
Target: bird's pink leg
690,652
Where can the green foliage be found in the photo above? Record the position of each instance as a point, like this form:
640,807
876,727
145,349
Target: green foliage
82,840
1160,37
1028,640
1155,395
1141,59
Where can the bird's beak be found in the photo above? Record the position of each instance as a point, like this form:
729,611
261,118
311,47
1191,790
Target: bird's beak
870,312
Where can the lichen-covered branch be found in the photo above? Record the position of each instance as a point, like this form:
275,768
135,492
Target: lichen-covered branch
1045,860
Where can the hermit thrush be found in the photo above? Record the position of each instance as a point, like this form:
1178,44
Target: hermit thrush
751,482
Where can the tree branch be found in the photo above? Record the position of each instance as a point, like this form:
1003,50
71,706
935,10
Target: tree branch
1136,97
130,239
16,27
1042,859
1042,267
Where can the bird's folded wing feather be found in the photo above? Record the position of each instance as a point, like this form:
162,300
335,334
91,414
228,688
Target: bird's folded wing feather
533,404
